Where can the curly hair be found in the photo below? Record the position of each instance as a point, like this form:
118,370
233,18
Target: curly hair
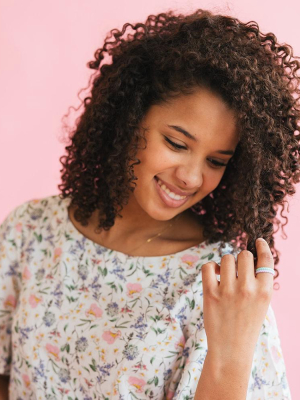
165,57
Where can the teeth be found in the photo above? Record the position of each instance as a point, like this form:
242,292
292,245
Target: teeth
173,195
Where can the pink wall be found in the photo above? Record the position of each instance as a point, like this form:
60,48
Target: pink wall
44,50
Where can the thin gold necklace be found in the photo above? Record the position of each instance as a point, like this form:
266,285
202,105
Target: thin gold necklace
158,234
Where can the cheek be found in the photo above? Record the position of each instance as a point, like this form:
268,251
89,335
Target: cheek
154,160
212,179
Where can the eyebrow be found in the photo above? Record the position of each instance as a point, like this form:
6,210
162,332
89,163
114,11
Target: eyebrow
189,136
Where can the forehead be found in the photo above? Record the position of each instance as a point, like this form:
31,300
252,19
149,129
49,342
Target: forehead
203,113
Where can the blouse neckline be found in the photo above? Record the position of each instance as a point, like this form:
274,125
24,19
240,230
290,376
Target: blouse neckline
102,248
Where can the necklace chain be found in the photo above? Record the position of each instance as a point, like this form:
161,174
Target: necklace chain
160,233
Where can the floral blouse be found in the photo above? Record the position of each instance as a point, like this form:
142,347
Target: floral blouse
79,321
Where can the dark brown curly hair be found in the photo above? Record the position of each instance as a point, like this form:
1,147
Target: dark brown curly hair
170,55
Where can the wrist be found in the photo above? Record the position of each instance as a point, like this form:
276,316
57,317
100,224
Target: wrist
236,363
224,378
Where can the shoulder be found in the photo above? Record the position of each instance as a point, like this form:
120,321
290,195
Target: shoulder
32,212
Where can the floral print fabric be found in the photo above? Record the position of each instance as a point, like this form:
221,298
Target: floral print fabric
80,321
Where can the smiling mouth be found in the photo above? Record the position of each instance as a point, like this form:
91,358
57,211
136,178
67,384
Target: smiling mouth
170,193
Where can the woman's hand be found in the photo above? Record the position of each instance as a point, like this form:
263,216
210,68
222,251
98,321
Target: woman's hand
234,308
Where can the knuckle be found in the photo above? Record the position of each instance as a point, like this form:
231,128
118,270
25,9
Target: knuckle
210,294
265,294
208,263
245,292
266,256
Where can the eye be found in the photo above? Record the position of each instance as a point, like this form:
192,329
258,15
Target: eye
175,145
217,164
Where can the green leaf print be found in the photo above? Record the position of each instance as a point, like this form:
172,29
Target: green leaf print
190,303
103,271
208,256
93,365
147,272
71,299
156,318
38,237
155,380
68,237
134,396
113,286
71,287
121,325
12,242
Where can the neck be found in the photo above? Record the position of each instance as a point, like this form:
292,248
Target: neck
134,224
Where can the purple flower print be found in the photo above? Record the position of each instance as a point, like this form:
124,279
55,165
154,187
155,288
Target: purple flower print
49,318
130,352
64,375
81,344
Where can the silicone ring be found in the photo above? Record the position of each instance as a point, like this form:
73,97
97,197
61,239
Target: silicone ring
265,269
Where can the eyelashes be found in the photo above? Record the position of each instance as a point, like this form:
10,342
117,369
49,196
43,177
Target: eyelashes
179,147
175,145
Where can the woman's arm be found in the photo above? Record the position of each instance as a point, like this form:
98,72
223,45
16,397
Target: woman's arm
4,382
223,379
234,311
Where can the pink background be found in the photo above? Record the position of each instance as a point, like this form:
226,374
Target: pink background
44,50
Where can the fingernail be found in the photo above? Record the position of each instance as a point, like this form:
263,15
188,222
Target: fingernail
260,239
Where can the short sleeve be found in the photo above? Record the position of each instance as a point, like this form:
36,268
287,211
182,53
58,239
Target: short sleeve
10,253
267,380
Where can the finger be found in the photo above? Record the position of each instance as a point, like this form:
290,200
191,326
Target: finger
264,259
228,271
209,280
245,265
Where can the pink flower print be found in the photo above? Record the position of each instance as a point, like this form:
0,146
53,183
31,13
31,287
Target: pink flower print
180,343
57,253
26,380
190,260
137,383
110,336
19,227
94,310
10,301
26,273
52,350
133,288
276,354
34,301
170,395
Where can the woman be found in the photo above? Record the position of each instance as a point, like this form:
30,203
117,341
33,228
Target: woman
185,149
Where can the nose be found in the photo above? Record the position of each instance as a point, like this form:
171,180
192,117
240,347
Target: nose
191,175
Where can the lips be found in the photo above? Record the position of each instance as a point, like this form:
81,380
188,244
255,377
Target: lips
167,199
174,189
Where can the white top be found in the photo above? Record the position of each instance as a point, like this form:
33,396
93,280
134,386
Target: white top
80,321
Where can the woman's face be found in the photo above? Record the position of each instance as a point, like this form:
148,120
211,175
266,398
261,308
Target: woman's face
189,142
